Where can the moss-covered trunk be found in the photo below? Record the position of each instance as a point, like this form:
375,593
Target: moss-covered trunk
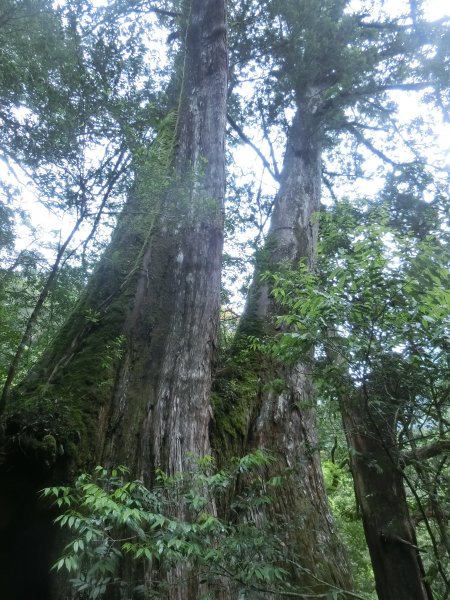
128,378
262,403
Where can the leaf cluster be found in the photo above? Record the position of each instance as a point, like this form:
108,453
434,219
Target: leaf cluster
111,519
376,313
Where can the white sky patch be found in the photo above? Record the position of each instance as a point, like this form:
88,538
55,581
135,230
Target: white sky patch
436,9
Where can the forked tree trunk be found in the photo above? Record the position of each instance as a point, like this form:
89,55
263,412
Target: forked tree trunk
271,405
128,378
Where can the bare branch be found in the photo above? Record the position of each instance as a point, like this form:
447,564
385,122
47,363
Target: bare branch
271,149
248,141
368,144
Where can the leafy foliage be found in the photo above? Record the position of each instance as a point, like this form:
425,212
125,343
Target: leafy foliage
111,519
19,291
381,303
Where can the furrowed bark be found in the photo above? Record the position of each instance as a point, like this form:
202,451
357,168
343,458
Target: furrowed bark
275,408
172,326
128,378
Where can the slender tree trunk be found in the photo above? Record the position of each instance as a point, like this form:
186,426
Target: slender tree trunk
376,466
128,378
379,488
272,405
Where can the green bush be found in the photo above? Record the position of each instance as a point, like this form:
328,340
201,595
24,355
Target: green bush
109,518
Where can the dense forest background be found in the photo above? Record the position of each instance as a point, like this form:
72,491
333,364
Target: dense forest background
224,242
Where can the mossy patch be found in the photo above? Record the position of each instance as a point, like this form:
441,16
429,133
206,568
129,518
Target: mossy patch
45,429
53,415
235,397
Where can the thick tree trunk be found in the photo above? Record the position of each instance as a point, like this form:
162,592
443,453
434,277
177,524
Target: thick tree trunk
378,480
264,404
128,379
173,324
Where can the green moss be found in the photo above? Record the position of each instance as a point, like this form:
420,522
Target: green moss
275,385
49,443
234,398
58,420
61,397
231,419
54,413
41,428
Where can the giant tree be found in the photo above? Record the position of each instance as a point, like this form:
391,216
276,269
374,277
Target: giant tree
333,69
127,379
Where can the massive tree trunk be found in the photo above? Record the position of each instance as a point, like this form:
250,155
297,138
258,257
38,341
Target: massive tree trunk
261,403
128,378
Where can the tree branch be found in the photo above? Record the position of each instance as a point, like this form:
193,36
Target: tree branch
271,149
368,144
164,13
248,141
371,90
426,452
